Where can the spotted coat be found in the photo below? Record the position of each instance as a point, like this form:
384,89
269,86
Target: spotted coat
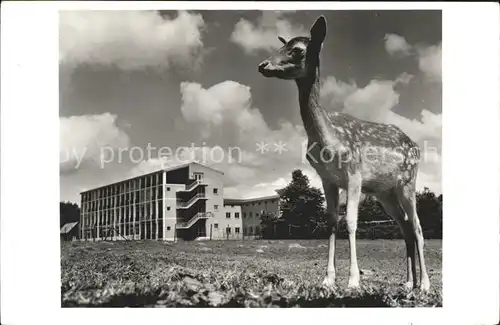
382,154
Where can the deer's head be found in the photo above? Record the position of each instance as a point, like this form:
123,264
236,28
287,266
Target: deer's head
298,57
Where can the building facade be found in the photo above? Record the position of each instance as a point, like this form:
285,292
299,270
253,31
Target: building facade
233,223
181,203
178,203
250,211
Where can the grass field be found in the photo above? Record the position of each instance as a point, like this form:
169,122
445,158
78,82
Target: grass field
239,274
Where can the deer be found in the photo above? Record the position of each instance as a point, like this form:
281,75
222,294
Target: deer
336,147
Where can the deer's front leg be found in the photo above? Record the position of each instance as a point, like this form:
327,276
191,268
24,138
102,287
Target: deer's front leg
332,203
353,196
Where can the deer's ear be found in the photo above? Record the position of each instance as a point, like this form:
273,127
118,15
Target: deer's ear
318,30
282,40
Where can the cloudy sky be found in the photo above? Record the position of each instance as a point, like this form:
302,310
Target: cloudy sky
188,82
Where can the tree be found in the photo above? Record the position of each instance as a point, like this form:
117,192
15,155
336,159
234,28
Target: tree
304,216
303,206
371,210
269,223
430,212
68,212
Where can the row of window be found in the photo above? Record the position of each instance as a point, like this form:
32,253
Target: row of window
146,195
108,216
246,230
89,221
139,197
121,199
228,229
144,206
127,228
146,230
236,215
256,203
131,185
250,214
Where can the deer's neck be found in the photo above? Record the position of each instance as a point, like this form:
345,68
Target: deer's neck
313,115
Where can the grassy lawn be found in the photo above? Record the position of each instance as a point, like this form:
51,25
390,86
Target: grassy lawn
257,273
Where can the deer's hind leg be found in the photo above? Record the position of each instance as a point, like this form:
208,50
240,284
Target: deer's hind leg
407,198
392,207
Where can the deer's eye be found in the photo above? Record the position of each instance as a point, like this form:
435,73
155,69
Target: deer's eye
295,52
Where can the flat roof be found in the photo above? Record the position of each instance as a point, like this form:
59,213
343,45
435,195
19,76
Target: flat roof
242,201
151,173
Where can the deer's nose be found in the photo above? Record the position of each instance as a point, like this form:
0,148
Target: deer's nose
263,64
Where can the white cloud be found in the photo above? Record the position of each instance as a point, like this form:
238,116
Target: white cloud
429,61
174,157
403,78
427,128
223,113
375,102
244,191
83,139
336,90
264,35
397,45
269,188
129,39
428,56
226,101
227,107
434,121
431,181
372,102
150,165
430,174
247,192
280,182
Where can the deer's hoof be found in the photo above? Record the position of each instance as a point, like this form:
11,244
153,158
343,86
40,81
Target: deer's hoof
328,281
425,285
353,284
408,285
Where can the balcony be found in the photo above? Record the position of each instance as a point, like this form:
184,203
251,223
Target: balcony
185,205
193,220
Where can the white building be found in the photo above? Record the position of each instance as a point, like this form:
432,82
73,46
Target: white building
185,202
